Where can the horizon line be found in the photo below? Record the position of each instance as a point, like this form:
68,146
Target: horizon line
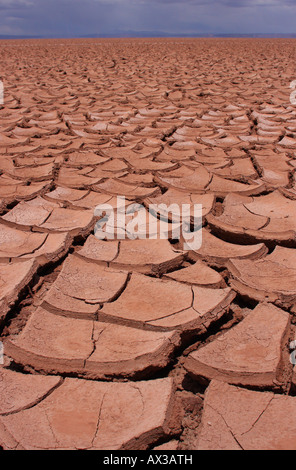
153,35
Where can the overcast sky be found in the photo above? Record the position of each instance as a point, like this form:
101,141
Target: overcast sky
74,18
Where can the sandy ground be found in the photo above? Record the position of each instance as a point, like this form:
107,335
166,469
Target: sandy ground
142,344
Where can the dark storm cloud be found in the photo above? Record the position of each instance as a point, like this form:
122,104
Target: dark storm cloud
229,3
64,18
8,4
54,17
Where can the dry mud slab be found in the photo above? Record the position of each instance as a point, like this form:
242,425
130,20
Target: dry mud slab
141,344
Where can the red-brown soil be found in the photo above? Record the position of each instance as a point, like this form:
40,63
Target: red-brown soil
140,344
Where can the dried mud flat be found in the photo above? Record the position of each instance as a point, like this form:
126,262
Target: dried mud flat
138,344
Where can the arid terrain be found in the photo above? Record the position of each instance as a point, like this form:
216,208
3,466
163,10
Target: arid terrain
140,344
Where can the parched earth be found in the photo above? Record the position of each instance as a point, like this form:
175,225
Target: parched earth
140,343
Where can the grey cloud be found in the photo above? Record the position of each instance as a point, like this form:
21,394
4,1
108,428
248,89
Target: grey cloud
228,3
15,4
69,18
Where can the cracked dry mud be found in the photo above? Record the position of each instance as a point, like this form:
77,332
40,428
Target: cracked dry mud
140,344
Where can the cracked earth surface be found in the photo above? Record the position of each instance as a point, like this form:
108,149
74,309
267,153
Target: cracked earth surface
140,344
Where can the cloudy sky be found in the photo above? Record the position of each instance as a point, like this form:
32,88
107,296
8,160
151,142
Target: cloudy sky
75,18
